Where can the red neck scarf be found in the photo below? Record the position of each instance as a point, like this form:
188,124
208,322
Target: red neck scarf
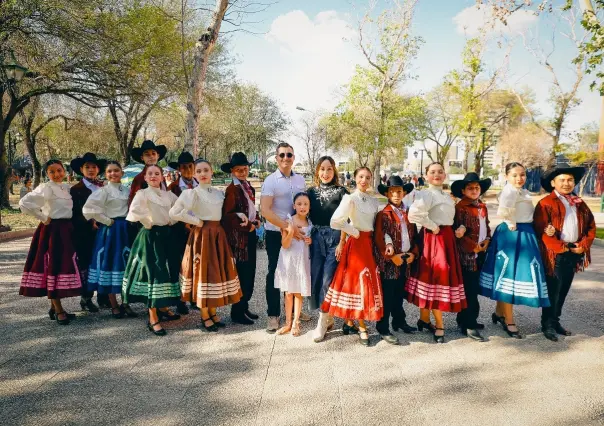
248,189
572,199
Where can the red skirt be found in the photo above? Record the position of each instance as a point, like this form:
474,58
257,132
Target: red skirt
51,268
355,291
438,283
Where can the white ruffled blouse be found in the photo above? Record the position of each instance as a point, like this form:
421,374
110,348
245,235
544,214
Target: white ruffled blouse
48,200
107,203
360,208
199,204
151,206
432,208
515,205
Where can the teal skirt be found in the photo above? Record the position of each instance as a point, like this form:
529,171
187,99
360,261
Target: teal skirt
513,271
151,275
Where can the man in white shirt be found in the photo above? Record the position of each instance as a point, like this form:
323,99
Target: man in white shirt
276,203
568,250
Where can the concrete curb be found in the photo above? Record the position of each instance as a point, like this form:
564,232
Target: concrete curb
15,235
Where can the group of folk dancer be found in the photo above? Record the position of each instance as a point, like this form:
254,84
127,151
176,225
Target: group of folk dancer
191,242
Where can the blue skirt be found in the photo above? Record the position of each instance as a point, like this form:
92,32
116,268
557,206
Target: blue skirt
109,258
513,271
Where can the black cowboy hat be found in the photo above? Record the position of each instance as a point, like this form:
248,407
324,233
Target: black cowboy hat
77,163
137,153
459,185
562,169
237,159
183,158
395,181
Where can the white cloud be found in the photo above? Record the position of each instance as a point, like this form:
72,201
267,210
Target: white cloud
314,57
472,19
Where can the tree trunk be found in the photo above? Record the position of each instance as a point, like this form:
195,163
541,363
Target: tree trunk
376,171
203,49
5,171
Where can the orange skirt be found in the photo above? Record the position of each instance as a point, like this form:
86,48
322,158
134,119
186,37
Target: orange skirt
355,291
208,275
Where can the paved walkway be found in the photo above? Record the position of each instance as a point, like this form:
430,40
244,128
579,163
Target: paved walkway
103,371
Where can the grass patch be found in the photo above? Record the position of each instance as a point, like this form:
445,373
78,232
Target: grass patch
600,233
17,220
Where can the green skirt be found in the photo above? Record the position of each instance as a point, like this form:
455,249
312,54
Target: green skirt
151,275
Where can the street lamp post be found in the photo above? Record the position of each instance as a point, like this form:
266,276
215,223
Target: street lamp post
421,162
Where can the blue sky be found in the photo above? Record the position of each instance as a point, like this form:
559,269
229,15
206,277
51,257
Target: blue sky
308,50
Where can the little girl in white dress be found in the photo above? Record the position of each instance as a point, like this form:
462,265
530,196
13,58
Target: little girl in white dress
293,268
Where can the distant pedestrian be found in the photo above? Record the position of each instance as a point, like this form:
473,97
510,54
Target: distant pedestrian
347,178
25,189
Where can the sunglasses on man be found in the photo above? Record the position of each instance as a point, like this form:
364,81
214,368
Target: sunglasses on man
283,154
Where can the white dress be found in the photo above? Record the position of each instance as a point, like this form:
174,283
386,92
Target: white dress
293,268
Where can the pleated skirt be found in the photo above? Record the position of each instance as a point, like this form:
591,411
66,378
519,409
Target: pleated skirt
151,275
513,271
356,291
51,267
109,258
437,282
208,274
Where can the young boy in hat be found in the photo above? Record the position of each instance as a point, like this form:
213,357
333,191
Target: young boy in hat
240,220
186,168
180,230
395,250
473,235
149,154
568,250
89,167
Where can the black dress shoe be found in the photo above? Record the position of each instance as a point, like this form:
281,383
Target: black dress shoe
473,334
63,321
242,319
429,326
559,329
479,326
213,328
181,308
119,314
51,315
167,315
251,315
218,323
194,306
349,329
128,311
389,338
406,328
88,305
160,332
550,334
510,333
439,339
